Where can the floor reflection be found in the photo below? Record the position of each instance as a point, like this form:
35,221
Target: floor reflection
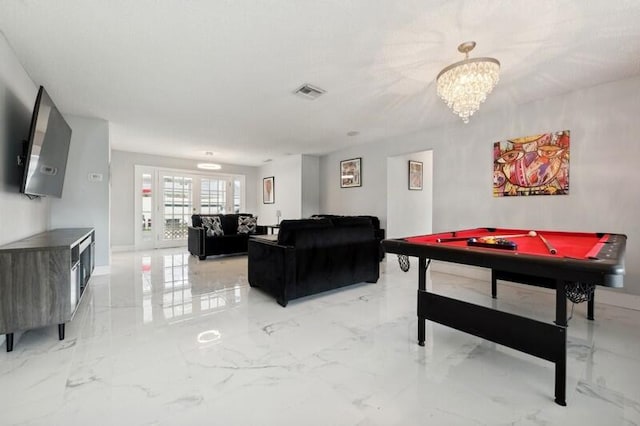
182,287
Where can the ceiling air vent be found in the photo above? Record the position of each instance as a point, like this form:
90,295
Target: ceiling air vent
308,91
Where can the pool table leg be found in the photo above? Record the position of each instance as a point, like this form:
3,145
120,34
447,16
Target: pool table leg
561,360
590,306
561,377
422,285
561,303
494,284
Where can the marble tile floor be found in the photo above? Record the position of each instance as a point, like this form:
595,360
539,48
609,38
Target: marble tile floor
166,339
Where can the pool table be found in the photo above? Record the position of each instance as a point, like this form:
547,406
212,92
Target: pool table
562,261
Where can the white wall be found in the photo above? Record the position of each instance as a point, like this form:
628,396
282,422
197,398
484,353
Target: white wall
287,173
19,216
409,212
310,185
604,172
123,196
85,203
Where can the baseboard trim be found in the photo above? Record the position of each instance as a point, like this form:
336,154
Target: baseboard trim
607,296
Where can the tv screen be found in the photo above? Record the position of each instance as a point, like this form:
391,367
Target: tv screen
46,150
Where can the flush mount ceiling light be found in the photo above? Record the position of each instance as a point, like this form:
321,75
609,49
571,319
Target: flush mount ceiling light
466,84
209,166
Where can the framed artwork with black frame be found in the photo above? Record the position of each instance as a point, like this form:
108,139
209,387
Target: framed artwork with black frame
415,175
351,173
268,190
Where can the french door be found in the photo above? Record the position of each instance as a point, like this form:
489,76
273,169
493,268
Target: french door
177,196
167,199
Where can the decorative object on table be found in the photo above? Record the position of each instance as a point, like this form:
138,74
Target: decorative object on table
268,190
532,165
278,215
351,173
465,85
415,175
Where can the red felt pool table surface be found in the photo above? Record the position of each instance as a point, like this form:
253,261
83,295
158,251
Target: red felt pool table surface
578,245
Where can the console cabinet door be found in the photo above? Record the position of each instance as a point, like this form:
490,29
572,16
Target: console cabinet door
31,292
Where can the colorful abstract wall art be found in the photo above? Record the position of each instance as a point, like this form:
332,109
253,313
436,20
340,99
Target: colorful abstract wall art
532,165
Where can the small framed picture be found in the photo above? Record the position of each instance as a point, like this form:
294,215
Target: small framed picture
415,175
351,173
268,190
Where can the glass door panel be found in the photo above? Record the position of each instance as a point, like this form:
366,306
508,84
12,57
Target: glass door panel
147,208
177,196
213,195
237,195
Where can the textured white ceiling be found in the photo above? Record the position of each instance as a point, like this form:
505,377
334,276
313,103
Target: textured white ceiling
182,77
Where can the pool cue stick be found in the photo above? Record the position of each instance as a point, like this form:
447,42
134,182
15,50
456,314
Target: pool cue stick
510,236
451,239
551,248
447,240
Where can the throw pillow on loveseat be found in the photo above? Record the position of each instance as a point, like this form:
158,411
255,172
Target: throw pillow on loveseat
212,226
247,224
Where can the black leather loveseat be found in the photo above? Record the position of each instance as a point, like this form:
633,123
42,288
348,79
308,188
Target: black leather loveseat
203,243
314,255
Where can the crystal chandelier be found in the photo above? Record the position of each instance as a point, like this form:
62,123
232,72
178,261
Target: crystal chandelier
466,84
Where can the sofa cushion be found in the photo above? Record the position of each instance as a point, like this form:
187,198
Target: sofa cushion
374,219
351,221
288,229
229,223
196,221
247,224
212,226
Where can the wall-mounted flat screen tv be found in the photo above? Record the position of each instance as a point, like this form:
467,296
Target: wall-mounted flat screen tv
46,149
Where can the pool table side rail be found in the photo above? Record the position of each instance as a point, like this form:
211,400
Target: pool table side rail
608,271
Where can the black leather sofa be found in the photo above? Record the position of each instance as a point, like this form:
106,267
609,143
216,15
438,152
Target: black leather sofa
379,232
201,245
314,255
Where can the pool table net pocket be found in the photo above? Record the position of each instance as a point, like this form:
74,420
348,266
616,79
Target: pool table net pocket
579,292
403,261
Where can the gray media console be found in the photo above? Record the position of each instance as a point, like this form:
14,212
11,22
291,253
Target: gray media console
42,279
